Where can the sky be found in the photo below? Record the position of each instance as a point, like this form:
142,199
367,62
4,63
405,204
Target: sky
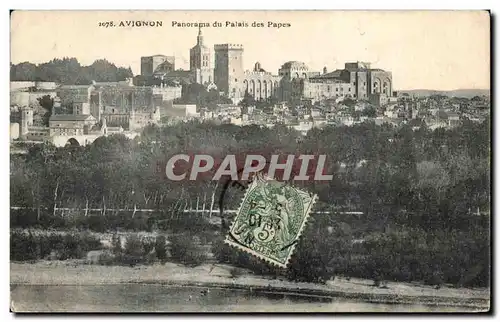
439,50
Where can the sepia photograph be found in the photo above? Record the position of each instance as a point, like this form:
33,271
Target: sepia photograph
250,161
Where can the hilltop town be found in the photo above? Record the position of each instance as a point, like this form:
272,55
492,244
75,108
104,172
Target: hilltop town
216,88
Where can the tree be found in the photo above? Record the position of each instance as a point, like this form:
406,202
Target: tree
247,101
349,102
69,71
369,111
417,190
23,72
47,103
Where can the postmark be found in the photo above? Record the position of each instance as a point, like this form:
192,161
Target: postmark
270,219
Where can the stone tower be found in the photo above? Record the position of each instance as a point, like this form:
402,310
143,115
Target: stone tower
26,120
200,61
229,72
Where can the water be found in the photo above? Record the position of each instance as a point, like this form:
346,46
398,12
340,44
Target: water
160,298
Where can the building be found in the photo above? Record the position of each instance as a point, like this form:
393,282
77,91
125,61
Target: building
178,77
200,61
229,72
75,97
26,85
140,119
70,125
295,70
168,93
233,81
357,81
121,103
260,84
27,98
120,98
157,63
293,74
24,94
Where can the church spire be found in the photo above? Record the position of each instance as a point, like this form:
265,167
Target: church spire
200,37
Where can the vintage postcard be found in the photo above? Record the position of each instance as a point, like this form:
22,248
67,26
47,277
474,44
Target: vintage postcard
250,161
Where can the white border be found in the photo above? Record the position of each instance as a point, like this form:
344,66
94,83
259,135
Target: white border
210,5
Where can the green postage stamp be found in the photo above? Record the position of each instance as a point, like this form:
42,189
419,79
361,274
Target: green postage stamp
270,220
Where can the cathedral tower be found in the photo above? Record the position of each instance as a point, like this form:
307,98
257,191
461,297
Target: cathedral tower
200,61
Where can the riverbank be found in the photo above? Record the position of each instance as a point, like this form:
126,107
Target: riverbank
218,276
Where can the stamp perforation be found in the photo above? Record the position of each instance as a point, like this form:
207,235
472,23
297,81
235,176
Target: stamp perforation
228,240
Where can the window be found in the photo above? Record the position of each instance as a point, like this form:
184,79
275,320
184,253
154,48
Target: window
349,89
233,70
354,83
337,89
364,83
236,80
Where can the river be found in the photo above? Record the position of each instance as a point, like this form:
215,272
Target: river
161,298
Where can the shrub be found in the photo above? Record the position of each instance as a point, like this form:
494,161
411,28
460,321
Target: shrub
76,245
27,246
116,244
161,247
106,258
100,257
147,245
186,249
133,246
22,246
223,252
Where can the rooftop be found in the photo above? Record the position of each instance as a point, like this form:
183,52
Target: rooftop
71,117
293,64
74,86
335,74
